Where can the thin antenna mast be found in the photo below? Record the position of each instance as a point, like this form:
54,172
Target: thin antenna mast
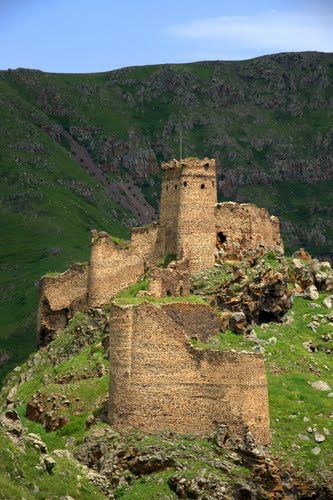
180,145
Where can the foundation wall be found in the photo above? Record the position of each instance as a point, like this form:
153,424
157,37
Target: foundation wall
158,381
60,297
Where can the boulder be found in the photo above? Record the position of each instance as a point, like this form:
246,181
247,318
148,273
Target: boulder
327,302
320,385
311,293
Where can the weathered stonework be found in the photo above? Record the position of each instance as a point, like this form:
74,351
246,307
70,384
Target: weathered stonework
60,297
171,281
243,226
159,381
187,224
115,266
191,226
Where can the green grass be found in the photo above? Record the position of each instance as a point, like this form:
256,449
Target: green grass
45,225
290,370
130,300
21,477
133,290
154,488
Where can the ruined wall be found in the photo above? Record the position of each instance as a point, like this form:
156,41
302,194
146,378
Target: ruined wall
159,381
248,225
187,225
114,266
60,297
171,281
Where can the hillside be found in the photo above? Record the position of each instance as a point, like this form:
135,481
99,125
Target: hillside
56,441
83,151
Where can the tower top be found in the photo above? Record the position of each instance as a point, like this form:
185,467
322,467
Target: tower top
205,164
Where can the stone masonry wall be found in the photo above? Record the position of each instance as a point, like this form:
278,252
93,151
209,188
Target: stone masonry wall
169,208
60,297
248,225
159,381
187,225
173,280
113,267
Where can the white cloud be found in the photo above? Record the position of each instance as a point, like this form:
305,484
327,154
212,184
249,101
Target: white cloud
272,31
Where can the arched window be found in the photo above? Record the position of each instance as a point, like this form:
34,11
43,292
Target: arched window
202,186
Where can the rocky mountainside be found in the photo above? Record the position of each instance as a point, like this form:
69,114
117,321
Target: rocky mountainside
83,151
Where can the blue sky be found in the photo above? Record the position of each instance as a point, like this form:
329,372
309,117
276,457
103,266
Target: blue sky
100,35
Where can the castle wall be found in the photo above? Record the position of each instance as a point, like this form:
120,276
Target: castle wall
60,297
113,267
160,382
248,225
171,281
187,225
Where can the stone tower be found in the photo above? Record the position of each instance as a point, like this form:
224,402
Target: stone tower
187,221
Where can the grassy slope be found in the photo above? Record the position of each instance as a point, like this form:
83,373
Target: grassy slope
39,218
38,214
20,476
290,369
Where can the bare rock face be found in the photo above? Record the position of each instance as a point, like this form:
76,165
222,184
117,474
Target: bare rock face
4,357
199,487
253,291
46,410
266,299
11,423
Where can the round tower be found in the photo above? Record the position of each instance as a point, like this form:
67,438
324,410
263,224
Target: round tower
187,221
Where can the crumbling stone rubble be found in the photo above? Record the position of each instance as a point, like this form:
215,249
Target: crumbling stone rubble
310,275
251,292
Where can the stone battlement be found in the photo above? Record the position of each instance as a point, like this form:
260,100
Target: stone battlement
194,164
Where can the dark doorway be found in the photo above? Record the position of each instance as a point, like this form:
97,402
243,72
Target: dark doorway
221,238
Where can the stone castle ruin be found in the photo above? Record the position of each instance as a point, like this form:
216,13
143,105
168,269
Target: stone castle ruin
159,380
